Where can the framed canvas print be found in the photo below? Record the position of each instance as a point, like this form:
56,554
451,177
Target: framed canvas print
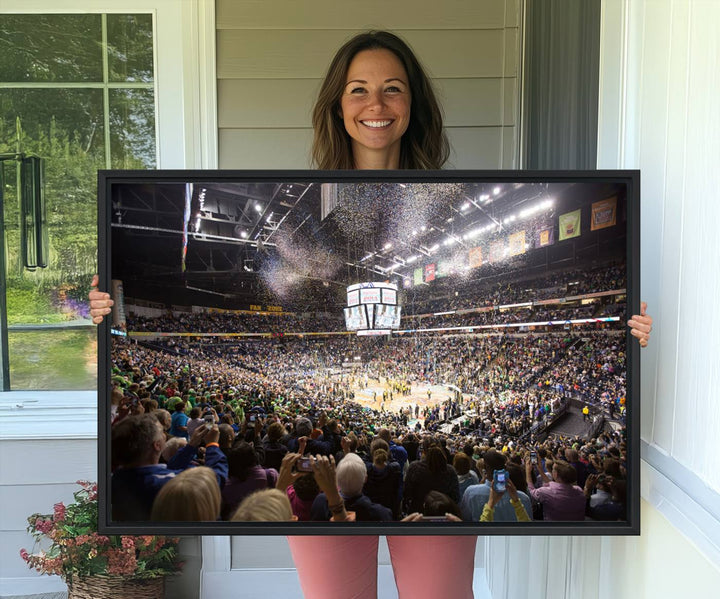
369,352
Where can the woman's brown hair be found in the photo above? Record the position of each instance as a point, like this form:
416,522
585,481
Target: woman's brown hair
424,144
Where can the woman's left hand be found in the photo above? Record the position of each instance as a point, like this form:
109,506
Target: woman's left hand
641,325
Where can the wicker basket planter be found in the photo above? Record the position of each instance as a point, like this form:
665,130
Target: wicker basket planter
116,587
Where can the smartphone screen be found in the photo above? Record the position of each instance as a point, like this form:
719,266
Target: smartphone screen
500,481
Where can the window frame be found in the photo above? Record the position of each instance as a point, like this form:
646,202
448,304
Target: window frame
184,85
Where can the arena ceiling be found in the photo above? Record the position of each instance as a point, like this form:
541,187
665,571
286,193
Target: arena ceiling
247,242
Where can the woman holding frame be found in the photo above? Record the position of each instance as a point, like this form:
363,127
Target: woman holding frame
376,109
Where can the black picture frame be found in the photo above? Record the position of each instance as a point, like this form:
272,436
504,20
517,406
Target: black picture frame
108,181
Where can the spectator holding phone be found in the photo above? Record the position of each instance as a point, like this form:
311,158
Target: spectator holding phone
137,443
476,496
488,513
300,486
561,498
351,477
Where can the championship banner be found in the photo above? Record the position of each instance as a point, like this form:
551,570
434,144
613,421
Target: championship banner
570,225
604,214
517,243
429,272
186,220
418,276
443,269
475,257
497,251
545,237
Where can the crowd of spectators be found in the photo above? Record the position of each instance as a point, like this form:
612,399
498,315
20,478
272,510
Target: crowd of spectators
495,288
213,423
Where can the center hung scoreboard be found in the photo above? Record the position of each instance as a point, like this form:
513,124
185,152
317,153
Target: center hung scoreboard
372,309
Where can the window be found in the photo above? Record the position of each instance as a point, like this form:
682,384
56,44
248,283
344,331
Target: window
77,90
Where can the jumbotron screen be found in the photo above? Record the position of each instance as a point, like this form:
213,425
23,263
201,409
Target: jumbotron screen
443,338
372,307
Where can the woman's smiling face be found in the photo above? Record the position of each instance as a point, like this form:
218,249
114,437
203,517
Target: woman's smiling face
375,108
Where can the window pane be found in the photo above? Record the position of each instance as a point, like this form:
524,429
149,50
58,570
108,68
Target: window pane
50,48
53,359
66,127
53,121
132,128
130,47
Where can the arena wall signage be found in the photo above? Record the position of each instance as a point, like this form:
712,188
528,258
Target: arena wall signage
478,316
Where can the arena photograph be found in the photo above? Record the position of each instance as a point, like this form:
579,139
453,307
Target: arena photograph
304,354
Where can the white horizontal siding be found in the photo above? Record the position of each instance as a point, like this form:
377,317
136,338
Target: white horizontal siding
271,58
380,14
270,54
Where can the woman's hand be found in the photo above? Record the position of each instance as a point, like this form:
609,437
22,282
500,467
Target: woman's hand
641,325
100,302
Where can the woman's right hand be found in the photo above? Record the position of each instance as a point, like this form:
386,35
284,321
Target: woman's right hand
100,302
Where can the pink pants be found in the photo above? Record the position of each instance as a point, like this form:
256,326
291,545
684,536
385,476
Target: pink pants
346,567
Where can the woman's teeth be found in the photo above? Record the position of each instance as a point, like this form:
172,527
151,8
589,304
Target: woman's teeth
376,124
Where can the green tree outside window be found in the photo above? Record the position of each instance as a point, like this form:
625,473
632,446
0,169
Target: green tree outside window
81,88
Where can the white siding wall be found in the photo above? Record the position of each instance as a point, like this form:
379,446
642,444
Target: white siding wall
46,445
271,57
659,85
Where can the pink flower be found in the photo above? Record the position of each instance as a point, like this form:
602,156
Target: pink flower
43,526
128,542
121,562
59,512
24,555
